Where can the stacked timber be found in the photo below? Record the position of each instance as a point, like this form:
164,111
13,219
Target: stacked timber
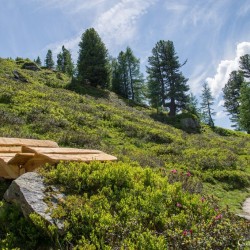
18,156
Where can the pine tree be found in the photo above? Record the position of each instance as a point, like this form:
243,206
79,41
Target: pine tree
49,63
245,65
64,62
244,114
231,95
92,64
167,85
192,106
207,102
127,79
38,61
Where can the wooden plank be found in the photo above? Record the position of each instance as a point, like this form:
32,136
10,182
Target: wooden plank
3,172
8,171
80,157
4,141
5,158
10,149
21,158
7,155
36,162
68,151
13,171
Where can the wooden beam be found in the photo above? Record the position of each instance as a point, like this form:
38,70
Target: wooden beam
68,151
10,149
4,141
20,159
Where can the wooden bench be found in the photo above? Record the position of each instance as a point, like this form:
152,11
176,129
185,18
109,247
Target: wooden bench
18,156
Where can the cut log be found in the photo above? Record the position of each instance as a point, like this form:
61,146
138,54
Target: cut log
9,171
10,149
3,172
21,158
4,141
68,151
36,162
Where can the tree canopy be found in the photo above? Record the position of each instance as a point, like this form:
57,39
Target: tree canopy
167,85
64,62
207,102
49,63
127,79
92,63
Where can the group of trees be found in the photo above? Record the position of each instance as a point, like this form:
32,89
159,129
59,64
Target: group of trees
64,61
166,87
237,95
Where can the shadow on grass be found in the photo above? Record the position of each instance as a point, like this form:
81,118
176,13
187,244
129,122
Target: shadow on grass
85,89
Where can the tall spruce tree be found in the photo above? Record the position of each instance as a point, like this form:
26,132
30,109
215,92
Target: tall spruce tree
207,102
92,63
244,114
38,61
49,63
231,95
166,84
127,79
64,62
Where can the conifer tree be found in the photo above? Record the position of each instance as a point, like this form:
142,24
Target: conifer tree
92,64
166,84
207,102
127,79
231,95
245,65
244,114
64,62
49,63
38,61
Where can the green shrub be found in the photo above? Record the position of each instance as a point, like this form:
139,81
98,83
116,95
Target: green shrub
118,205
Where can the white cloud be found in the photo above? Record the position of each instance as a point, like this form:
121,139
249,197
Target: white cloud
118,24
225,67
70,6
220,114
176,7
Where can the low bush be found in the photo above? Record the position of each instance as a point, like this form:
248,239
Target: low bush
122,206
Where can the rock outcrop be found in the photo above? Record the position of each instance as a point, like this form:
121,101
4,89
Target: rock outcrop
29,192
190,125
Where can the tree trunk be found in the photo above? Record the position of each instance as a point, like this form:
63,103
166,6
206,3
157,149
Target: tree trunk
172,107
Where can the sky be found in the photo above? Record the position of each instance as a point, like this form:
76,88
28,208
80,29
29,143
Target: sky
210,34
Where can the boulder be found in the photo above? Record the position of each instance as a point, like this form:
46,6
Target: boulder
19,76
30,66
190,125
29,192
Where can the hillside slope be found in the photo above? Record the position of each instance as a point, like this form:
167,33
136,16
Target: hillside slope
43,108
40,104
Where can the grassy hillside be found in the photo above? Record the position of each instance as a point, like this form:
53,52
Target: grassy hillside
42,104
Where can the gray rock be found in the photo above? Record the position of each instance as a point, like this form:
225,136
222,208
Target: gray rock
19,76
246,209
190,125
29,192
30,66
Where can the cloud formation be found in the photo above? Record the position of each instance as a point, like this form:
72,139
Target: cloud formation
118,24
225,67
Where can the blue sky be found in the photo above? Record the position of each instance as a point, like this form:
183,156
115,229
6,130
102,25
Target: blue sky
211,34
